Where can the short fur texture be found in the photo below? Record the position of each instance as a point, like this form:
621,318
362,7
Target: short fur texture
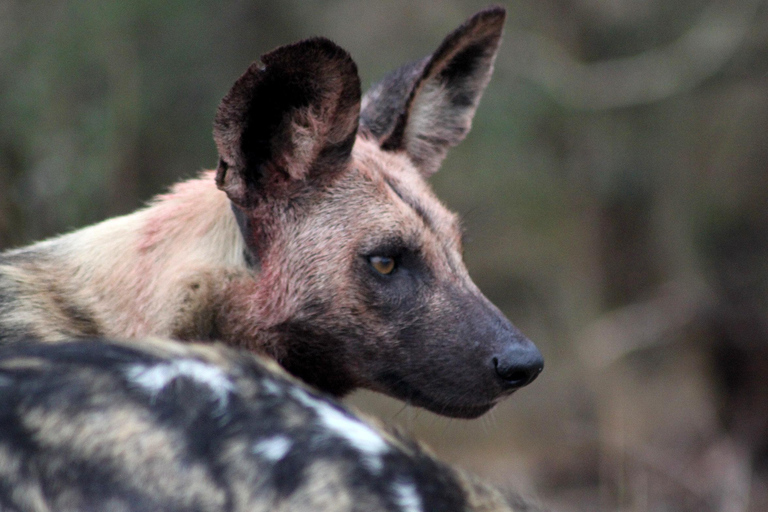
275,250
156,425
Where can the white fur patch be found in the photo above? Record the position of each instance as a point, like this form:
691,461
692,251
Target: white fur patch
358,434
271,388
428,109
273,448
406,496
154,378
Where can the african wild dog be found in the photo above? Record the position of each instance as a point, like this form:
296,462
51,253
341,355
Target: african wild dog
318,243
160,425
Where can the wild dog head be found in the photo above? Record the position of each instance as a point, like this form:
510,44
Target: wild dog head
359,274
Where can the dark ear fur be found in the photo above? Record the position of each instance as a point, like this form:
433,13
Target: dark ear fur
293,118
425,107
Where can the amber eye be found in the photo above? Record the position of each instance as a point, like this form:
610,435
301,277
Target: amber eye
382,264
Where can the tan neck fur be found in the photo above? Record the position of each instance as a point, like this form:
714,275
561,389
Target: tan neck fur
158,271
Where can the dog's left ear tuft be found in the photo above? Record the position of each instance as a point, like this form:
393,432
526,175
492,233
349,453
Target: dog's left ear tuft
293,118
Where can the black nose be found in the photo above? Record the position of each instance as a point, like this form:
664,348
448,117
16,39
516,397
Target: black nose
519,364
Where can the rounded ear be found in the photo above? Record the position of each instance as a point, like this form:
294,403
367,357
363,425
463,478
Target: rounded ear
293,118
426,106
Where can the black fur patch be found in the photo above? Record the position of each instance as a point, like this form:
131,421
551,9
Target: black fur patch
314,357
413,203
246,231
8,301
387,100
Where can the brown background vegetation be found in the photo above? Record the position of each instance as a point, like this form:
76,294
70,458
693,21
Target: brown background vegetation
614,188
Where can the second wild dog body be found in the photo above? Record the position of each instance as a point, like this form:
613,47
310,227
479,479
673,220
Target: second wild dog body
317,241
156,425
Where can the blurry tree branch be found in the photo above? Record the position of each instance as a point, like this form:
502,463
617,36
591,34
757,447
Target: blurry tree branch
644,324
640,79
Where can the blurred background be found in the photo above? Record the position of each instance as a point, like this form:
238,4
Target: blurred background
614,187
